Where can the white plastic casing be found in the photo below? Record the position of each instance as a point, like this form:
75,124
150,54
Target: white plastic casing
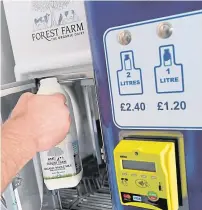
47,35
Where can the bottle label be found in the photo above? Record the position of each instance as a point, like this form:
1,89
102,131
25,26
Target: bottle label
61,161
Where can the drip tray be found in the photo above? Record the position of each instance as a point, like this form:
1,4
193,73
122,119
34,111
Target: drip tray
90,194
96,201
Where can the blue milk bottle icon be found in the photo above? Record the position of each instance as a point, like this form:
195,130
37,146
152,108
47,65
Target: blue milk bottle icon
167,60
127,62
169,74
129,77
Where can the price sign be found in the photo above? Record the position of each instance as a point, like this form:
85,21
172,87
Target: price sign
156,82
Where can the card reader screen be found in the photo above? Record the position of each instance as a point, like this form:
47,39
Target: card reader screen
139,165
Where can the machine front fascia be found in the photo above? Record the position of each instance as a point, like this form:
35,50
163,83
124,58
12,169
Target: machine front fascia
139,99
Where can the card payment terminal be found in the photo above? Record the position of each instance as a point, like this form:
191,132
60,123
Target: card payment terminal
146,174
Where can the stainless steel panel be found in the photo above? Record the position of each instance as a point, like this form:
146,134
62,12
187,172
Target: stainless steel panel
17,87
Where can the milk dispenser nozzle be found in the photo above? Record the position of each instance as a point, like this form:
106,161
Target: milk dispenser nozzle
61,165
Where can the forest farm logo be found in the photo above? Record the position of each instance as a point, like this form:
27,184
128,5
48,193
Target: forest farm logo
54,20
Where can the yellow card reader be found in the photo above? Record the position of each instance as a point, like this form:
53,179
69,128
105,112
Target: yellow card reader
146,174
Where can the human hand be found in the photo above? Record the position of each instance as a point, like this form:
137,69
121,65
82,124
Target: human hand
43,120
37,123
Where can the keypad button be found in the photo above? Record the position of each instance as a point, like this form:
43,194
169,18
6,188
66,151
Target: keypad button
152,196
124,174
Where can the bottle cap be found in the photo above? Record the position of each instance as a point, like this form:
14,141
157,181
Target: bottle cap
49,81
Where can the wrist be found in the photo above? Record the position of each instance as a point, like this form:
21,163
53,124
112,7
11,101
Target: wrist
17,150
18,138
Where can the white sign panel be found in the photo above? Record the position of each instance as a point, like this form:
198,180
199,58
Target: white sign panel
156,82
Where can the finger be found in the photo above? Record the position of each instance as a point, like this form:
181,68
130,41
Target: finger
26,96
60,96
69,119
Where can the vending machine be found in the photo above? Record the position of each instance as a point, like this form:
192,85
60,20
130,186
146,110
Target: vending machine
147,62
132,70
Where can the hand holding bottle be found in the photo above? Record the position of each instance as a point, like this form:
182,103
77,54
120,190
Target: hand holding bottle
44,119
37,123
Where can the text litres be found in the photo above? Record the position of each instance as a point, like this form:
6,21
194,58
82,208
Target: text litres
59,33
132,82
